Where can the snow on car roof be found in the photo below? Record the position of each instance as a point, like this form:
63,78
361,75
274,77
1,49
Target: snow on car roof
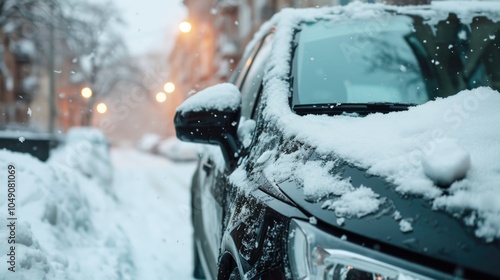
396,145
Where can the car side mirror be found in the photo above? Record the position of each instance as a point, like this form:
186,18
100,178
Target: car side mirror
211,117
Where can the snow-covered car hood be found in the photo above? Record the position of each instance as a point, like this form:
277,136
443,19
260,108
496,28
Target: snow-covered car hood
415,227
413,150
425,179
450,141
388,152
368,175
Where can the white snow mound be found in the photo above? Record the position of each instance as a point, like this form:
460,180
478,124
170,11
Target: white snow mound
446,163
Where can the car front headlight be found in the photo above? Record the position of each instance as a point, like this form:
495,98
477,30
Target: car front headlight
314,254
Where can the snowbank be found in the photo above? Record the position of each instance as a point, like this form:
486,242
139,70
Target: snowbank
59,234
87,150
73,226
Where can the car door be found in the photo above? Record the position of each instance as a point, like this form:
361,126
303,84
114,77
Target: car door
213,179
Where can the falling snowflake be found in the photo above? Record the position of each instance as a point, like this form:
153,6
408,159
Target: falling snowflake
21,139
462,35
30,112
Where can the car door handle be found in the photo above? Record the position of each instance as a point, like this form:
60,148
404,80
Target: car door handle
208,166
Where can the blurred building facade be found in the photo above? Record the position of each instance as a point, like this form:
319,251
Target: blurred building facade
71,106
17,74
25,79
49,52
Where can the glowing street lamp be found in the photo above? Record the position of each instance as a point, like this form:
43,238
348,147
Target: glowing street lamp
86,92
161,97
101,108
185,27
169,87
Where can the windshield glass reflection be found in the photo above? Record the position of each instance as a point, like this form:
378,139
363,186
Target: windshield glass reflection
399,59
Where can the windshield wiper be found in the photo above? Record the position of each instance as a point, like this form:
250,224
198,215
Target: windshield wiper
360,108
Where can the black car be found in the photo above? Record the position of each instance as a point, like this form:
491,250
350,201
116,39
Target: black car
309,181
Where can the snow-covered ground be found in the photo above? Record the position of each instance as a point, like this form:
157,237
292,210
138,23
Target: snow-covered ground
154,211
71,226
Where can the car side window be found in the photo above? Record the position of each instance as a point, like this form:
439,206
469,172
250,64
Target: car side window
251,86
241,70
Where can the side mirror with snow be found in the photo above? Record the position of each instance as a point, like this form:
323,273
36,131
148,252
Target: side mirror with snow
211,117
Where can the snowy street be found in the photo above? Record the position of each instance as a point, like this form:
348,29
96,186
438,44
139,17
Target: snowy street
153,202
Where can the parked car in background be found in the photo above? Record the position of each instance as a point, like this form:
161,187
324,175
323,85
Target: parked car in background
356,142
36,144
178,151
149,143
171,148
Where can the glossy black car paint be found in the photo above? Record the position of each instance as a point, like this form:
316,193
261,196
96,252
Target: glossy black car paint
438,240
240,232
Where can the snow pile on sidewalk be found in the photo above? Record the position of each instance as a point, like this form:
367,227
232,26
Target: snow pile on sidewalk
57,236
87,150
154,211
72,224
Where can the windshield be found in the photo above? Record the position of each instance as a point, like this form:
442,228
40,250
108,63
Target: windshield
398,59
